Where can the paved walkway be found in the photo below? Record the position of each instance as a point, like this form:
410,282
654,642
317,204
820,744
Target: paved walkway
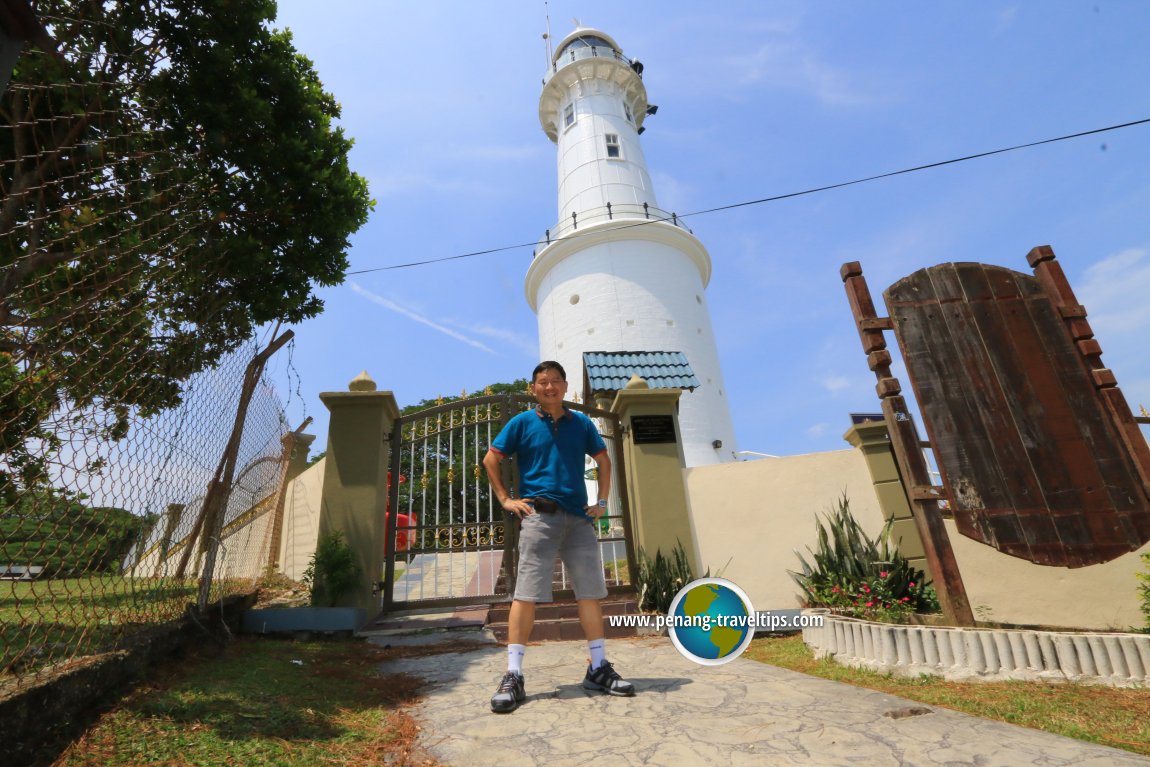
742,713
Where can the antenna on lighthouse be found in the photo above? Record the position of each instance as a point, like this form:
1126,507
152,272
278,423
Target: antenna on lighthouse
547,34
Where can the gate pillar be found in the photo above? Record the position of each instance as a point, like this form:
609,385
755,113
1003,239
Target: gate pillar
355,480
653,462
873,441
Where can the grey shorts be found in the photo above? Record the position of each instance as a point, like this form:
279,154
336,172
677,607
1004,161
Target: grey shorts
542,538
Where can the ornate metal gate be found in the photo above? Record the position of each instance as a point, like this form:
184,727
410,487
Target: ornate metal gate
447,540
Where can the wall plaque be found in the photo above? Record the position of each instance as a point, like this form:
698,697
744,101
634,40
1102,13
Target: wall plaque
652,429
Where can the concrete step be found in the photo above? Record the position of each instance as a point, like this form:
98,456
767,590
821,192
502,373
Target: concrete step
415,621
559,621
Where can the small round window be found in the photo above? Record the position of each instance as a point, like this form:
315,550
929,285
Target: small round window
574,298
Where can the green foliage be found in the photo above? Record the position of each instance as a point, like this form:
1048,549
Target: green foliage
65,537
661,578
180,182
332,571
518,386
860,576
1144,589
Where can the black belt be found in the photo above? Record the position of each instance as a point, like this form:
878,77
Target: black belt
543,505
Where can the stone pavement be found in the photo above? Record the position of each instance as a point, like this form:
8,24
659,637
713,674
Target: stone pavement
741,713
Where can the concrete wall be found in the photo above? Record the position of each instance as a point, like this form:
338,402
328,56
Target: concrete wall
301,520
758,513
245,550
1006,589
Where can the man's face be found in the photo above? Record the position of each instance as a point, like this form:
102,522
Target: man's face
549,388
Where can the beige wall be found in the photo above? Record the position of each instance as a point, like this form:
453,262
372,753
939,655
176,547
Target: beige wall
245,550
758,513
301,520
1007,589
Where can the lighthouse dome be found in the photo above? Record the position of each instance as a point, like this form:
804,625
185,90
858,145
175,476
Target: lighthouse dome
584,37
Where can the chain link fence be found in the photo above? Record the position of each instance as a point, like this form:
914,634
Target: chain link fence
141,447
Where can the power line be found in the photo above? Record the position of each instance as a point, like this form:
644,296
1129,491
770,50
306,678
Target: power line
777,197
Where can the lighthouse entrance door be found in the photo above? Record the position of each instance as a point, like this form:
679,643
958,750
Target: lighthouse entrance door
448,541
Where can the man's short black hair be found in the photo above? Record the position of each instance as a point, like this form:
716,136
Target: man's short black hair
548,365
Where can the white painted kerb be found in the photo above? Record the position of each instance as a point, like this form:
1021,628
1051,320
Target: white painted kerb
1115,659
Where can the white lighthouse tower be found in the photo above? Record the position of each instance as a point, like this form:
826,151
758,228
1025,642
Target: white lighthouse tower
617,273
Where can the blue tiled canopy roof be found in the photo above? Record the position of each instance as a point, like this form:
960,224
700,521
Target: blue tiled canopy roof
610,371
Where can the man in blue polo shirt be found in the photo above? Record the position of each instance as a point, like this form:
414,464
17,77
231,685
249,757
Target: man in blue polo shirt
550,443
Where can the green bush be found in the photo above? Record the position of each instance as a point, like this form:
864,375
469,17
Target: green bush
859,576
332,571
661,578
1144,590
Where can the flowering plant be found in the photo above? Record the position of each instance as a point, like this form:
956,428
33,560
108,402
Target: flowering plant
859,576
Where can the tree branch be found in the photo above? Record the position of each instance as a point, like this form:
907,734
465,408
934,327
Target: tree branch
34,178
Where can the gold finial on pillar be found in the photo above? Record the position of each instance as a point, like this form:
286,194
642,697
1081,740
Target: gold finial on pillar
361,382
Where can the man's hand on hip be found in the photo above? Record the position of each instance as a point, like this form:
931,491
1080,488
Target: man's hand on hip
518,507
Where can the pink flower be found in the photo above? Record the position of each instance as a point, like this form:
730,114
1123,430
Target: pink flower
883,574
911,584
835,589
905,599
866,588
870,604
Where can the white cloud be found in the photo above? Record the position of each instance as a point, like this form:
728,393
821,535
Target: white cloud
403,310
673,194
1005,19
786,64
833,383
817,430
1116,292
519,341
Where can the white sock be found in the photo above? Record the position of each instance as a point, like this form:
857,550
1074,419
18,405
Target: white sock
598,652
515,658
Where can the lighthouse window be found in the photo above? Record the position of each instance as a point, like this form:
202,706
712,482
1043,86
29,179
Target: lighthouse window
569,116
627,112
612,144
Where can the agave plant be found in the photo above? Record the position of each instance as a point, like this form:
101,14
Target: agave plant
661,579
860,575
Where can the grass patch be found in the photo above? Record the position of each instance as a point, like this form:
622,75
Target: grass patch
50,620
263,702
1109,716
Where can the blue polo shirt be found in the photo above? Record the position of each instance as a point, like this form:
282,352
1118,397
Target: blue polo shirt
550,454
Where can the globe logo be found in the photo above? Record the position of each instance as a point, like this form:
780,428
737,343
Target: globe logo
711,621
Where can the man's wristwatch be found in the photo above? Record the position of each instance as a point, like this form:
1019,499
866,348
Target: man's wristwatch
602,504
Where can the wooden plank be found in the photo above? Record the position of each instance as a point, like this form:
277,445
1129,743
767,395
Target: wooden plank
888,387
862,307
1089,347
927,518
1135,444
1057,288
1036,402
1053,280
1054,402
908,456
1104,378
1017,488
879,361
951,418
876,323
1101,441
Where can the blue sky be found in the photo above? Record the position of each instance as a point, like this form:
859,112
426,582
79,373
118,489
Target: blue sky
755,99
